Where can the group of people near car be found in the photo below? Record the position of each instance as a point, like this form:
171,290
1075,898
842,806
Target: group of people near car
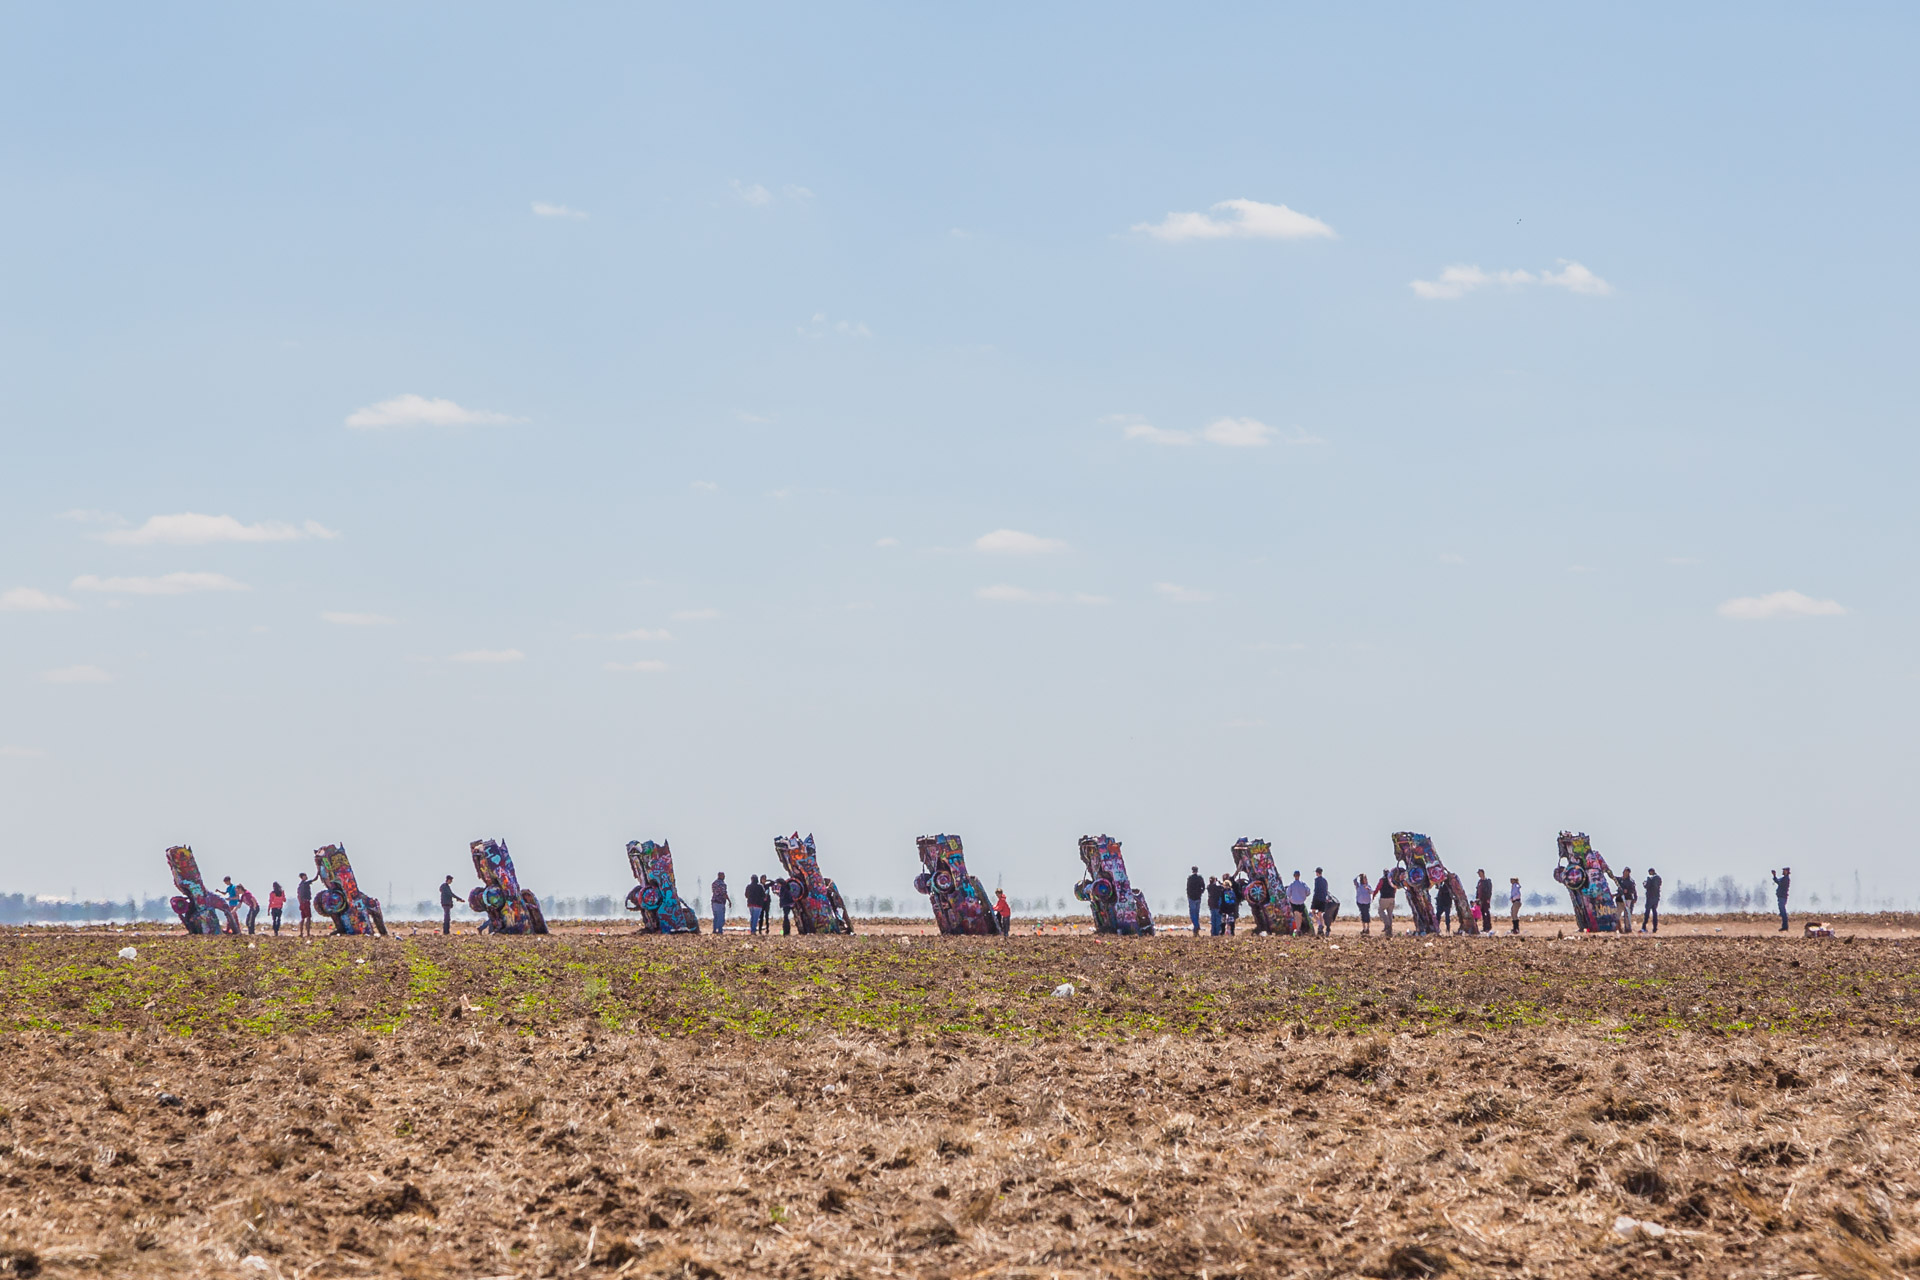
1314,907
763,893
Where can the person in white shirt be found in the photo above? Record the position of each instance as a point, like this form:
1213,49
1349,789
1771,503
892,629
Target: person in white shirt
1363,899
1297,895
1513,901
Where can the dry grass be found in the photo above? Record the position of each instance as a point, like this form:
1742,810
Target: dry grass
1491,1109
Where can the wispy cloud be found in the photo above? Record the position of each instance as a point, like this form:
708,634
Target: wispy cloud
11,752
695,615
1012,542
542,209
752,192
1232,433
191,529
820,326
643,664
1459,280
886,542
409,410
1779,604
1005,593
33,600
1182,595
488,656
705,486
76,675
794,191
167,584
1241,220
356,619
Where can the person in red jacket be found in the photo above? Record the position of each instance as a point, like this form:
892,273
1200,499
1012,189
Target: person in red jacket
1003,909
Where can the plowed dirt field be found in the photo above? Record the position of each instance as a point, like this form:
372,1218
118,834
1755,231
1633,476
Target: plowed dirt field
884,1105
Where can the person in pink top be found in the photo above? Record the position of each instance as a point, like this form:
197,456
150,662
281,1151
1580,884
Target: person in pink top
276,903
252,904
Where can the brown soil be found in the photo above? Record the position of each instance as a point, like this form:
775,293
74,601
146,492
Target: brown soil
872,1106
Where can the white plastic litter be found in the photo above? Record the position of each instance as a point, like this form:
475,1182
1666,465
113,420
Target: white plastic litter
1064,989
128,953
1631,1226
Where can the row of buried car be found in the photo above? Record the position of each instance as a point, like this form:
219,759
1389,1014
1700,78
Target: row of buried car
959,900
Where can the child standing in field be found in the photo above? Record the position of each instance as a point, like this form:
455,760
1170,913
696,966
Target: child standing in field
276,903
1004,910
252,904
1383,894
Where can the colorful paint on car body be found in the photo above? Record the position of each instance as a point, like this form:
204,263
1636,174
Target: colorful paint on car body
657,896
960,903
353,912
1419,873
1266,891
1118,907
508,907
1589,883
818,907
198,907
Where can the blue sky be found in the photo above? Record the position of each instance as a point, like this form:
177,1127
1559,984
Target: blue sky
429,423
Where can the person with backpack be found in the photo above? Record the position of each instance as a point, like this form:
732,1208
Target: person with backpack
1363,900
1383,895
276,903
1196,890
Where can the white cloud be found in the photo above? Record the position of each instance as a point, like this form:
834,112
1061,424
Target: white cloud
705,486
1012,542
167,584
1780,604
1244,220
752,192
1459,280
887,542
9,752
644,664
1005,593
191,529
33,600
356,619
793,191
1182,595
409,410
488,655
542,209
1232,433
696,615
76,675
820,326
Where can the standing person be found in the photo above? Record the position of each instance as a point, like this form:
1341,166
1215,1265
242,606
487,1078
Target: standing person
447,898
789,894
1297,894
756,904
1320,901
304,892
1443,903
1483,894
1231,891
1004,911
1383,894
1196,889
1363,899
1629,896
252,904
276,903
1652,911
1513,901
1780,893
721,898
1216,902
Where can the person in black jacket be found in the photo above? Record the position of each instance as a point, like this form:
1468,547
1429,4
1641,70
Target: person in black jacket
447,898
1196,889
789,894
1320,896
1780,893
757,901
1652,909
1215,901
1443,905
